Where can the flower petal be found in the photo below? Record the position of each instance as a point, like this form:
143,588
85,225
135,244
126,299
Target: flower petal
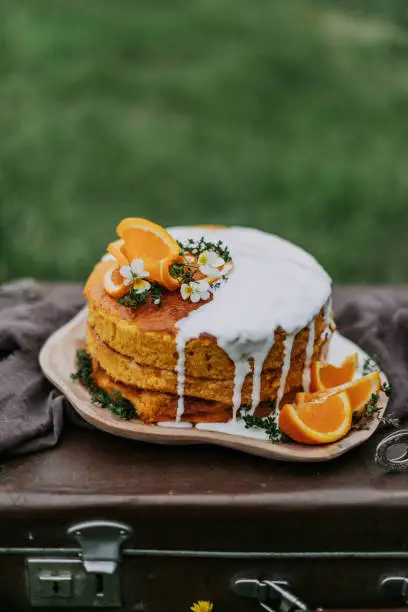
204,295
214,260
202,285
137,266
210,271
203,258
185,291
195,297
125,271
141,285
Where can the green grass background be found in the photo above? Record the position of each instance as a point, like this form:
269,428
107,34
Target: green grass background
288,115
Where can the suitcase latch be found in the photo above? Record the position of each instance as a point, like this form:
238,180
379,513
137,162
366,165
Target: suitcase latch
396,587
274,591
90,579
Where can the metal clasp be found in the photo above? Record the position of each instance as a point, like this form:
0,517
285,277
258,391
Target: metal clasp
396,587
392,452
269,590
100,542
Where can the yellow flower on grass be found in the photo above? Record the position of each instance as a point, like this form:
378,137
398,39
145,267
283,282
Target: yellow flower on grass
202,606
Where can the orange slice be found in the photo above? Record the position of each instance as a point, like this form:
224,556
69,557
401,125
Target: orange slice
325,376
359,392
114,283
146,240
117,250
319,422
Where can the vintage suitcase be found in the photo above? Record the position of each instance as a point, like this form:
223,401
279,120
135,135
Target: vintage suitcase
103,522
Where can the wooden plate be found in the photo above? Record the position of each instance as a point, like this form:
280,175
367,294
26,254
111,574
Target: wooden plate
57,360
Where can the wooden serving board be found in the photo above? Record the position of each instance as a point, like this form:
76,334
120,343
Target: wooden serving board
57,360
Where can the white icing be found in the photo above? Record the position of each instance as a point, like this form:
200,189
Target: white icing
340,348
242,368
175,424
287,355
259,358
273,284
327,317
234,428
308,357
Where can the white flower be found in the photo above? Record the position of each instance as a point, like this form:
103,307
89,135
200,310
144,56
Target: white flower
196,291
209,262
134,275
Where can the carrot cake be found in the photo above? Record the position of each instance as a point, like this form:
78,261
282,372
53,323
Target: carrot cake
191,324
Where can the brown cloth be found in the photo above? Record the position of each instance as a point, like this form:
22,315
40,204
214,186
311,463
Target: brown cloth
31,409
378,322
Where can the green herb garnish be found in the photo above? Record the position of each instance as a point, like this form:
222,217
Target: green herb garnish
133,299
196,247
362,420
269,424
371,364
115,402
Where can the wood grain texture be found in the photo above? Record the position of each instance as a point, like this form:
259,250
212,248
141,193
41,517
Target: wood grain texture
57,360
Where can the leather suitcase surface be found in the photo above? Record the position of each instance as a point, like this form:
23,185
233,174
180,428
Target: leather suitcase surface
104,522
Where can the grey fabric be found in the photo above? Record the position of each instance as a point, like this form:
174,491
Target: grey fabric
379,324
31,410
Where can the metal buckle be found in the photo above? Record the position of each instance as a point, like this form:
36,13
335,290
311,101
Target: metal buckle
265,590
398,463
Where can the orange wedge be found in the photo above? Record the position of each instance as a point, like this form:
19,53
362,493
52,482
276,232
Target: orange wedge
146,240
114,283
359,392
326,376
117,250
319,422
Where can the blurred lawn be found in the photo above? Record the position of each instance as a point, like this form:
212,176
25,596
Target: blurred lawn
287,115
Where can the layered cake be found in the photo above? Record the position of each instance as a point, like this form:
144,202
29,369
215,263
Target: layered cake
201,324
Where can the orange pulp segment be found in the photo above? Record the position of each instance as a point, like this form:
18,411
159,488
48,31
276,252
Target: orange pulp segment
149,241
117,250
326,376
320,422
114,283
359,392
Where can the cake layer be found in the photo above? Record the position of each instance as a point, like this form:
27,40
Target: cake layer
148,334
155,407
123,369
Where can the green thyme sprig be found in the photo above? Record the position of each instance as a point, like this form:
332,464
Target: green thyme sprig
363,419
183,272
115,402
153,295
269,424
371,364
196,247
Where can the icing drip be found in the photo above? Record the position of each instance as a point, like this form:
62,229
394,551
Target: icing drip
175,424
180,369
242,368
273,284
327,315
308,357
259,359
285,368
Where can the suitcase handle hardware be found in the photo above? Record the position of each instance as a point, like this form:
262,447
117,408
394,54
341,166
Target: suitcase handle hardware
396,586
91,578
265,590
100,542
398,441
